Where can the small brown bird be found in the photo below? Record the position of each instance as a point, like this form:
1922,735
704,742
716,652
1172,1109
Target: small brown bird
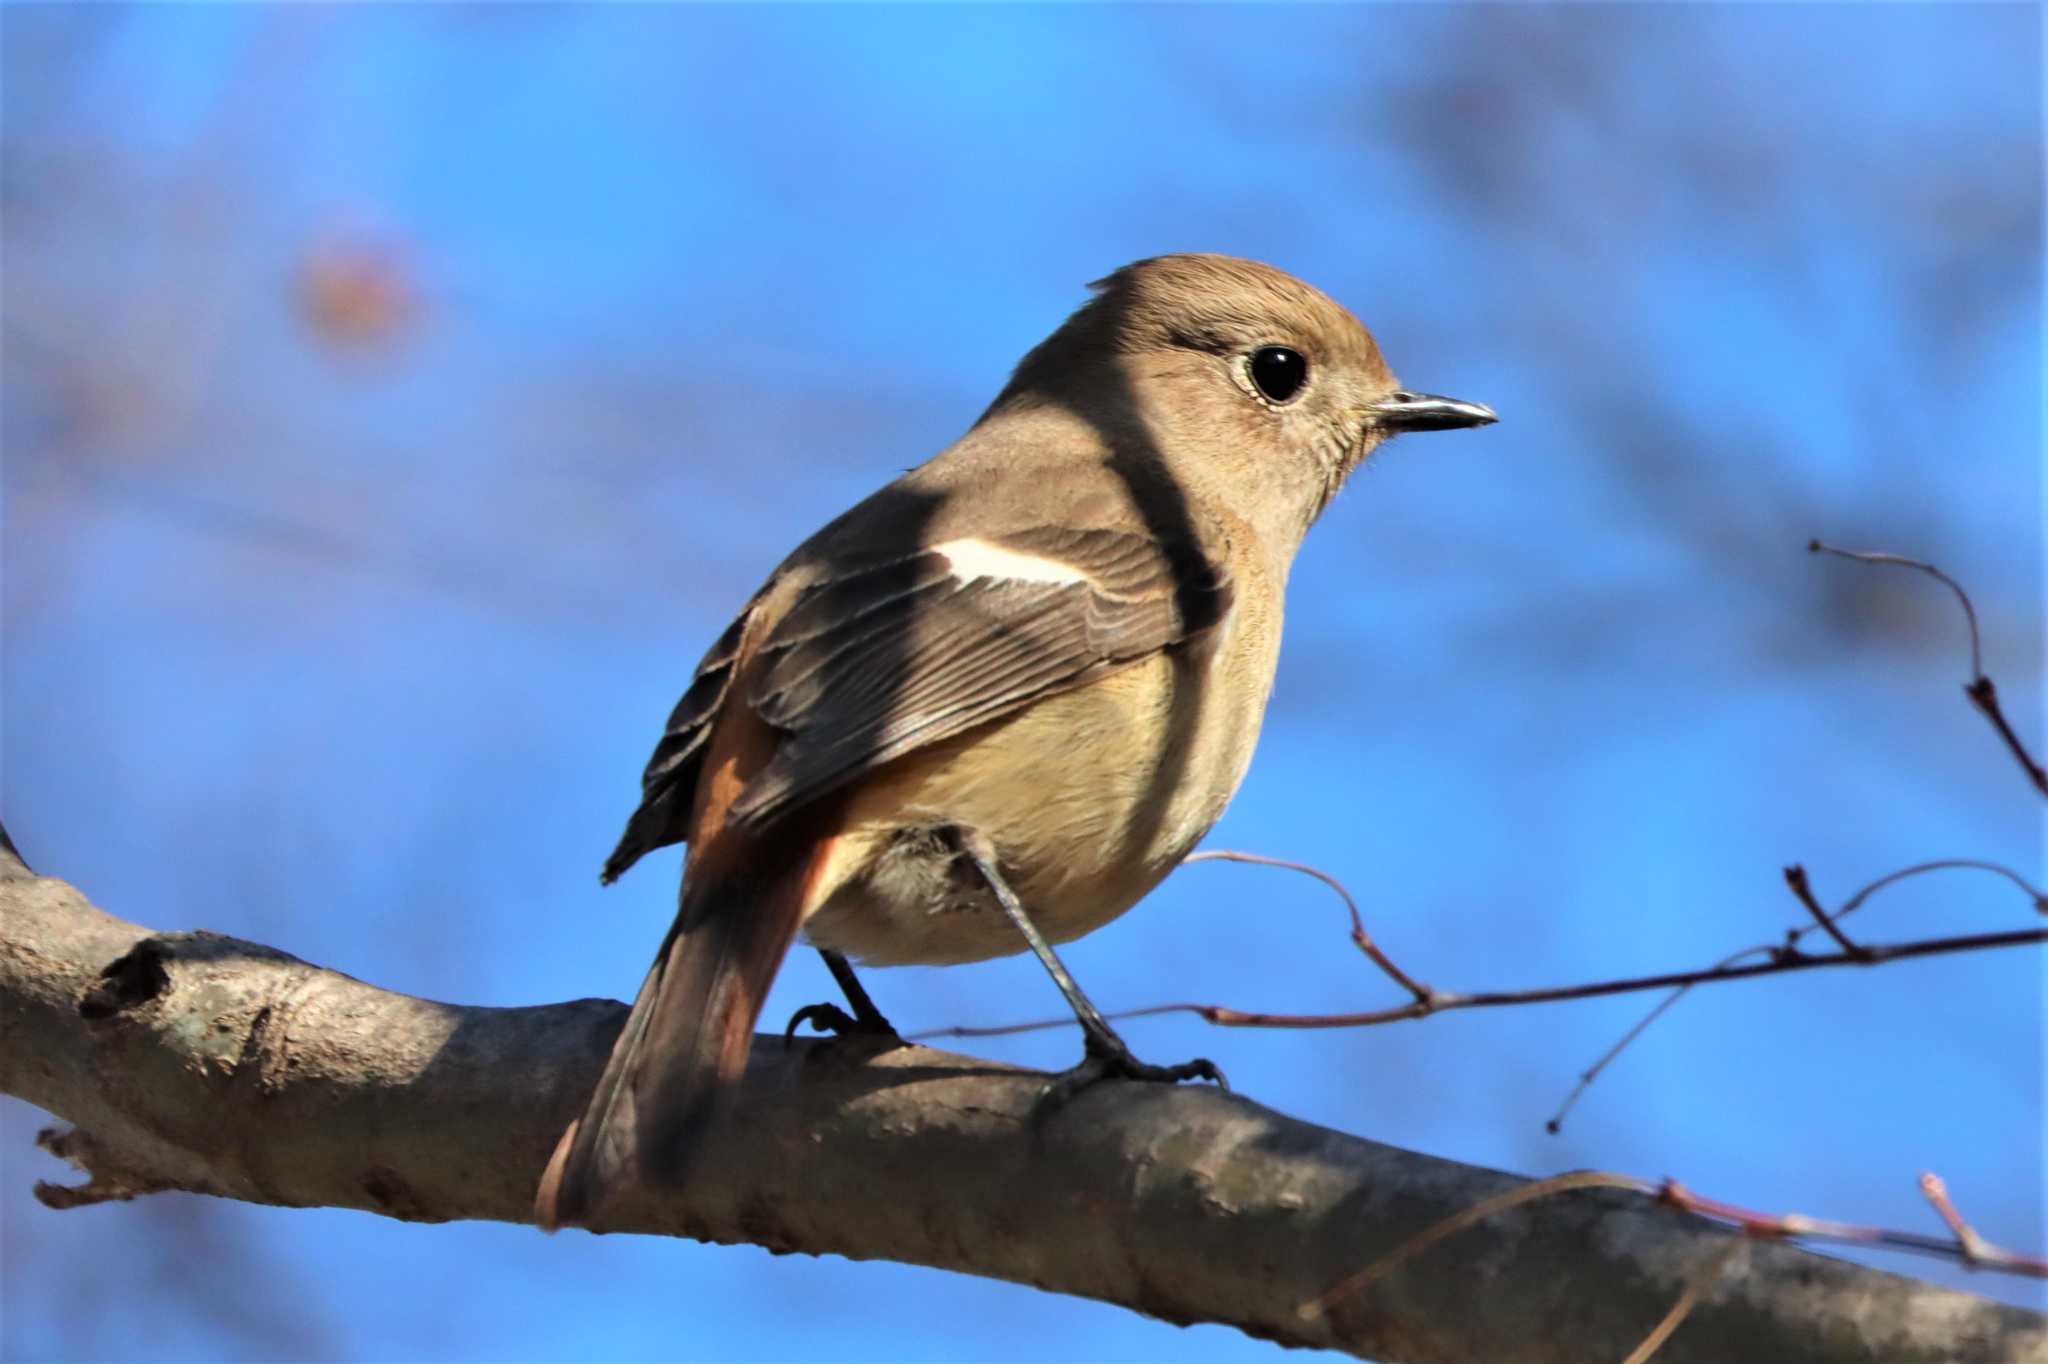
993,705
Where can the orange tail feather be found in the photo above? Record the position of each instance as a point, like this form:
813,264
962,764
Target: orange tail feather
684,1044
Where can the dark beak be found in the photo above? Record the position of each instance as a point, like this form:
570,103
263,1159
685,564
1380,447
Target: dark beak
1402,411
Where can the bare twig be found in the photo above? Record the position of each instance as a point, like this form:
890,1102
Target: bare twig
1224,1016
1871,556
1555,1123
1787,956
1976,1251
1422,993
1983,693
1855,902
1964,1245
1802,891
1779,957
1696,1283
1319,1306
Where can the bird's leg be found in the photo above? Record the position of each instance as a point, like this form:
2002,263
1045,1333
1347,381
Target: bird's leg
865,1018
1106,1056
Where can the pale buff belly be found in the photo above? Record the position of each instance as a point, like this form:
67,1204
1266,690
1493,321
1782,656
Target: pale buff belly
1090,798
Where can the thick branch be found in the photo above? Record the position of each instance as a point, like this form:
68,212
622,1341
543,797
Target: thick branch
195,1062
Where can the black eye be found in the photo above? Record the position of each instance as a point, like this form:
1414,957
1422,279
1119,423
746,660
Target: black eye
1279,372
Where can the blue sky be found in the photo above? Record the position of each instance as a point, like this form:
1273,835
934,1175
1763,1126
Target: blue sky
357,648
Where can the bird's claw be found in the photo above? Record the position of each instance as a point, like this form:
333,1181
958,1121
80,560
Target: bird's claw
830,1018
1110,1059
826,1018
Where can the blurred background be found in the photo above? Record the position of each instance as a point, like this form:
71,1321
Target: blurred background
399,399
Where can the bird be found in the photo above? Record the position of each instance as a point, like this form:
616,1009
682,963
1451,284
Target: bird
990,707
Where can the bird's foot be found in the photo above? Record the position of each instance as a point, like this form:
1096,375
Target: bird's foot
1109,1059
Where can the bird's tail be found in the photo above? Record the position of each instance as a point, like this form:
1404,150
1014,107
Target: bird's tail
683,1045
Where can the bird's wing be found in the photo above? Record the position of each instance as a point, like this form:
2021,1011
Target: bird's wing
881,658
670,781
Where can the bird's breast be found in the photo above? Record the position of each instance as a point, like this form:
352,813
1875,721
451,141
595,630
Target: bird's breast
1089,796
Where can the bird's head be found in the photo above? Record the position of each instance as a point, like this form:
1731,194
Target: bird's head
1234,375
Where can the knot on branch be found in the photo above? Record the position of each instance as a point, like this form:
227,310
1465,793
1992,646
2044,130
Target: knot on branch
132,979
109,1178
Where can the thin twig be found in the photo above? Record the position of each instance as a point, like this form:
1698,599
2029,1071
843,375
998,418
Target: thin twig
1966,1245
1935,1188
1802,891
1855,902
1976,1251
1315,1308
1422,993
1224,1016
1872,556
1980,689
1963,1244
1983,694
1790,1226
1555,1123
1696,1283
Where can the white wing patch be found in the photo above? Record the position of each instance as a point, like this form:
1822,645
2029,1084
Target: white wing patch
975,559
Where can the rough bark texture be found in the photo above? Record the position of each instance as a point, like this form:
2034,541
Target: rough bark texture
195,1062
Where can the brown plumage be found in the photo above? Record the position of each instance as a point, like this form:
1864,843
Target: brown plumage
1055,639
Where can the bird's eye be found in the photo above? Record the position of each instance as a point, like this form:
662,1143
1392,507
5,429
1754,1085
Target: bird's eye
1278,372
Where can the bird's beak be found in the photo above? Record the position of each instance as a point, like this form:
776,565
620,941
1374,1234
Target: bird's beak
1403,411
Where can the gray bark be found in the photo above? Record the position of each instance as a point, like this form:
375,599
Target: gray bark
190,1061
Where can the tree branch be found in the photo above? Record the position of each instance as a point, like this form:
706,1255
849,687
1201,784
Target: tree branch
1981,690
190,1061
